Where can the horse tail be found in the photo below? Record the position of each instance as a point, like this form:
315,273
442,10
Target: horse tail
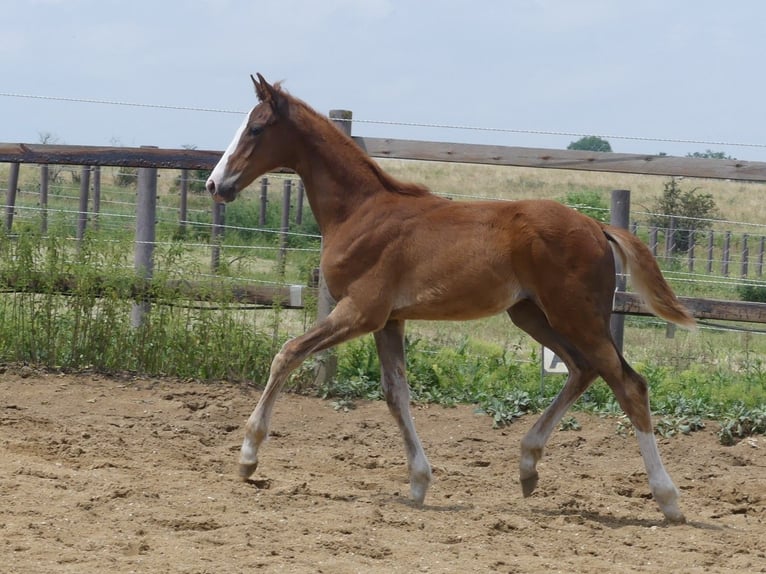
647,278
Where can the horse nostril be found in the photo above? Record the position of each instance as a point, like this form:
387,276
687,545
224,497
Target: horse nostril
210,186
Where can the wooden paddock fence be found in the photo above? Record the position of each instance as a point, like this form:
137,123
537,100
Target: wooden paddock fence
149,159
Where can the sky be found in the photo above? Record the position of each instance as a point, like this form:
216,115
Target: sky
641,74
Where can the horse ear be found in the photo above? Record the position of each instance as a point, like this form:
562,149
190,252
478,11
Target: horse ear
268,93
260,91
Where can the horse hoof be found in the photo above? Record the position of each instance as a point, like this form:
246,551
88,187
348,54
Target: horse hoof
418,494
674,516
528,485
246,469
676,519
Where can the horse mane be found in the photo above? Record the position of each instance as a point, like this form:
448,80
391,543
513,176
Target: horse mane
328,130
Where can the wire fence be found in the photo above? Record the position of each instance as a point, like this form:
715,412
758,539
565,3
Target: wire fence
441,126
697,254
254,246
696,251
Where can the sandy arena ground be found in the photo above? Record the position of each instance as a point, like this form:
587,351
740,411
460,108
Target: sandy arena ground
136,475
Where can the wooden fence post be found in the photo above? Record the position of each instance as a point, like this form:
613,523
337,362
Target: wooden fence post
284,228
299,203
183,208
619,217
760,255
328,361
44,198
82,214
725,264
264,202
96,195
745,256
10,196
216,235
653,240
691,251
710,244
670,238
146,215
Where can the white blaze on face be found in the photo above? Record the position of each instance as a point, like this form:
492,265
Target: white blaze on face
216,177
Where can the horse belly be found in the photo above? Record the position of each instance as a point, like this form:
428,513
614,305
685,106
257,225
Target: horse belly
455,301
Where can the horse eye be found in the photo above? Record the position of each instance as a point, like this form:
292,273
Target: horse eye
256,130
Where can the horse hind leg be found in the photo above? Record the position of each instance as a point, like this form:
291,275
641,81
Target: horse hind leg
531,319
390,345
632,393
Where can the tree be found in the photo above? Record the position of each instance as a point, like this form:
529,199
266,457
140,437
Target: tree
710,154
591,143
686,212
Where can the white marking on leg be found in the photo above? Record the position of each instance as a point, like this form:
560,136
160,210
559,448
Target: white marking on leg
257,427
664,491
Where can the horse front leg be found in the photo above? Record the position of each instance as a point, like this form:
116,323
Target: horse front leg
257,427
390,344
344,323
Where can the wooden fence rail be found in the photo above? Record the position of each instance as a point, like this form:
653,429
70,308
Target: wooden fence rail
406,149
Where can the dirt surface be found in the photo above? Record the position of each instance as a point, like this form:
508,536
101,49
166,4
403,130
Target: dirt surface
134,475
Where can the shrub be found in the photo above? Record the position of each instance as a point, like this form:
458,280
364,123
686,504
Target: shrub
126,177
589,202
752,292
692,212
591,143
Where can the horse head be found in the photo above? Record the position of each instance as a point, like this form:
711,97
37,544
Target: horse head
257,147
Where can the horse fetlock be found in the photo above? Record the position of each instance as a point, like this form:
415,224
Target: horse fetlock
666,496
418,489
420,480
248,459
246,469
673,514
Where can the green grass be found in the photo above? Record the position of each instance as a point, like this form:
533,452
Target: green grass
505,383
693,377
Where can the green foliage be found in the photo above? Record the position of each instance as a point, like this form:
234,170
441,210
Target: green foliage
589,202
494,378
710,154
91,327
686,211
590,143
742,422
505,385
196,180
244,217
752,292
126,177
506,409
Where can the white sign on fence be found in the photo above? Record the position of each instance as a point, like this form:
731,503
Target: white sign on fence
552,363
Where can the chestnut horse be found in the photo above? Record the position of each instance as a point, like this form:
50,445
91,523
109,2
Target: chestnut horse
393,251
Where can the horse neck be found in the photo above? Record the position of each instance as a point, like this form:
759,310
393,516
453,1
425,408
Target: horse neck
337,177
